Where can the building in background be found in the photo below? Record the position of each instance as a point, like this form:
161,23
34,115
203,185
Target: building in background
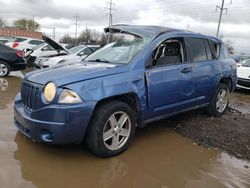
19,33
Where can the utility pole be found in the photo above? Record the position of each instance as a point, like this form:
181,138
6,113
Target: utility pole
110,9
76,22
222,9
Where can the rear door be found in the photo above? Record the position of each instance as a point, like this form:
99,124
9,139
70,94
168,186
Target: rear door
204,68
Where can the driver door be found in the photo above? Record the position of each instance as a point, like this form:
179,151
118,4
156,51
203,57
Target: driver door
170,83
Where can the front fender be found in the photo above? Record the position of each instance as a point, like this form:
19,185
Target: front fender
113,85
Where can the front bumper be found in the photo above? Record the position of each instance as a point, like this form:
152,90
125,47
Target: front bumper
243,83
55,124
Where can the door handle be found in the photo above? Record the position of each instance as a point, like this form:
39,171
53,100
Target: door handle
187,69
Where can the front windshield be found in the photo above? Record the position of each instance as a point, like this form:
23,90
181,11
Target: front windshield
124,48
75,49
245,63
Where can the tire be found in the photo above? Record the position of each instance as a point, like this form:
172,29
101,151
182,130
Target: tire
105,123
216,106
4,69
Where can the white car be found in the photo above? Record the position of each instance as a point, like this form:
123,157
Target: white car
21,43
49,48
243,72
76,53
5,39
44,50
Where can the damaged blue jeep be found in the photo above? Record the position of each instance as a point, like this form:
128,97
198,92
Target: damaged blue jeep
146,74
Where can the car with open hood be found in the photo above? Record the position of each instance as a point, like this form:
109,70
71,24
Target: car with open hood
76,53
145,74
48,49
243,72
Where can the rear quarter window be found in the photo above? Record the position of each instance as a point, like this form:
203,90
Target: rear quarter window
215,49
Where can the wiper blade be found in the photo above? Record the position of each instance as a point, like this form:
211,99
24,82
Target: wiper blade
100,60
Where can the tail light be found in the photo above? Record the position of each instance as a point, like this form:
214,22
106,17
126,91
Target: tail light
20,53
15,44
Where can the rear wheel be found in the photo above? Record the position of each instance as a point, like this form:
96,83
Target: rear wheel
219,102
111,130
4,69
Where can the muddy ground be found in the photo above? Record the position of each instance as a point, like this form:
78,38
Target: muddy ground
161,155
230,133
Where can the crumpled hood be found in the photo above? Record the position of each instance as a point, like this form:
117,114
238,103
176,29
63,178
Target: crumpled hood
74,72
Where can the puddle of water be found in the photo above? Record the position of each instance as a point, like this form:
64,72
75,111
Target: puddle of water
240,100
158,157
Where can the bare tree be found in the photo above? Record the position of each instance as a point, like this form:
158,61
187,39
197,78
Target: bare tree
229,45
89,35
86,36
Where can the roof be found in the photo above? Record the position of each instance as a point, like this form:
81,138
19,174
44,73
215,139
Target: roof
150,30
139,30
20,33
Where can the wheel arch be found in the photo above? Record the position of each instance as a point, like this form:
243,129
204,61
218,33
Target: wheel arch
228,81
129,98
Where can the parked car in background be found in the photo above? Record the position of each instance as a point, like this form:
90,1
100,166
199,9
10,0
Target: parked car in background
156,72
76,53
21,43
243,72
10,60
5,39
45,50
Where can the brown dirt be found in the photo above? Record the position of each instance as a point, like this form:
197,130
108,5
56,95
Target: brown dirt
230,133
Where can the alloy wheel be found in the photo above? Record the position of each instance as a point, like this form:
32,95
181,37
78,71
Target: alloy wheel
3,69
117,130
221,100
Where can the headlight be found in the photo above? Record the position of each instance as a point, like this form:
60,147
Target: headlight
69,97
49,92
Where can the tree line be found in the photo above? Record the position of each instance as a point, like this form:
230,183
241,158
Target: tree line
25,24
86,36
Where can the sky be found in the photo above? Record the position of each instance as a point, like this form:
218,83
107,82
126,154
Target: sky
195,15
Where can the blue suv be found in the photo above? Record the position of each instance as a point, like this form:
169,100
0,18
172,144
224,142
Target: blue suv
146,74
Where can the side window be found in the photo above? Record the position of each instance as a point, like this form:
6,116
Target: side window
47,48
86,51
20,39
197,49
215,47
170,52
208,50
35,42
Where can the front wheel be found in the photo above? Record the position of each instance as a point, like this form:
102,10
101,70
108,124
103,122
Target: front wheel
4,69
111,130
219,102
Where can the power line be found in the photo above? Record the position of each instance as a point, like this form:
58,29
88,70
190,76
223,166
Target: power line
76,23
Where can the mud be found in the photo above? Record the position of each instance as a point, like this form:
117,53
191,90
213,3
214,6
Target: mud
230,133
158,157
